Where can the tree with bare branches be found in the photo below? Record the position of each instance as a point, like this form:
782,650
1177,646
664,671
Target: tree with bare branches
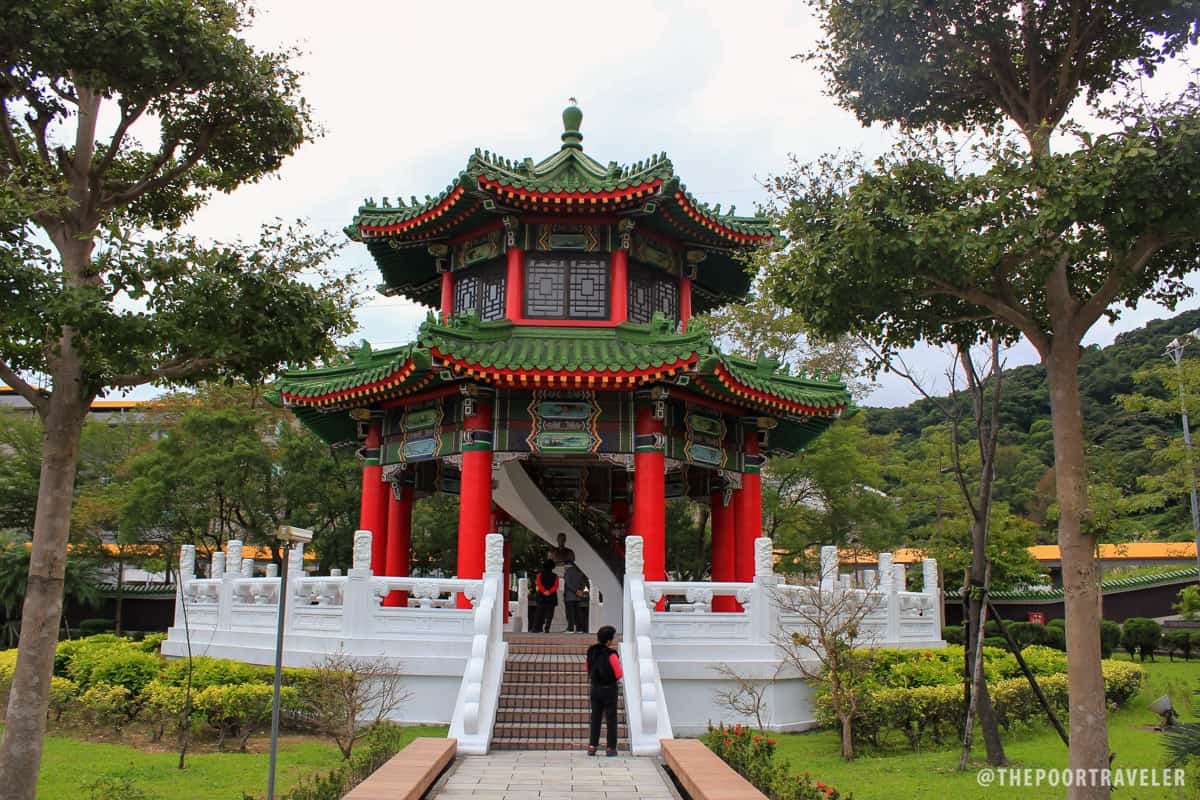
346,696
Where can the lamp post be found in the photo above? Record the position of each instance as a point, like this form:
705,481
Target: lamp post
1175,351
289,536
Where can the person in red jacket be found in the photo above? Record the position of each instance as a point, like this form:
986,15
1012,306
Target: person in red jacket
545,585
604,672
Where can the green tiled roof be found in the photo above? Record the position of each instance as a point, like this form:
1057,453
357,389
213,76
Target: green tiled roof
1117,585
655,352
503,345
399,233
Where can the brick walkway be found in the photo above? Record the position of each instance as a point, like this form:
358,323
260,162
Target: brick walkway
554,775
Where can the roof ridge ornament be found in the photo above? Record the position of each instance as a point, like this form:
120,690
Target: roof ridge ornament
572,118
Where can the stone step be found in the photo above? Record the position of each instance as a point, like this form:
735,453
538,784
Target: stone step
566,702
542,729
554,744
547,677
535,716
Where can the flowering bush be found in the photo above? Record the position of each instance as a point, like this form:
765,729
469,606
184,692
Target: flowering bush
753,757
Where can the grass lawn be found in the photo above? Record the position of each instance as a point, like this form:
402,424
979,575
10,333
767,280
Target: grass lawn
904,775
69,763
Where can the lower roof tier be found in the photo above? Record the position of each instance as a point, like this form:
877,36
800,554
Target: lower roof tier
504,355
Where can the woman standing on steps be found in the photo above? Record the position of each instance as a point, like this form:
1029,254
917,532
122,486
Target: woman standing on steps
546,585
604,670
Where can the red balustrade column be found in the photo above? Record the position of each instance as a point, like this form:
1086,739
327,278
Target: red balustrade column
447,294
475,495
514,284
723,526
685,301
620,286
748,510
649,491
399,538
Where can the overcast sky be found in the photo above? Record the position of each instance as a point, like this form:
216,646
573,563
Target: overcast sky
405,91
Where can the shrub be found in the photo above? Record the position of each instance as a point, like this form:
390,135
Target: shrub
208,671
1059,623
152,643
130,668
1178,642
162,708
77,658
62,695
379,745
955,634
240,709
90,627
1141,636
106,706
1044,660
1189,602
1122,681
1110,637
753,757
111,786
1027,633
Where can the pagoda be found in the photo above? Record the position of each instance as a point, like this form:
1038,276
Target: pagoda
562,364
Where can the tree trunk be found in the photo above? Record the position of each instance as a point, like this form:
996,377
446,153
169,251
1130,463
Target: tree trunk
984,710
120,592
848,737
1089,722
25,723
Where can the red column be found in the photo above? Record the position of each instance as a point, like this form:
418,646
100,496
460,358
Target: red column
723,525
685,301
649,491
620,286
475,496
374,508
447,294
748,511
399,539
514,283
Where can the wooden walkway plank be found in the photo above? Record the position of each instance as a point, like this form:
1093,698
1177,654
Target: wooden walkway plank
702,773
408,774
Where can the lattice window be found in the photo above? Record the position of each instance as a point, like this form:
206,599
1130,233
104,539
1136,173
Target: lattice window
650,291
480,289
566,287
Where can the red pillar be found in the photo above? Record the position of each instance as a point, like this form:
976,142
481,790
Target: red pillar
447,294
685,301
723,525
748,511
399,539
373,511
649,491
514,288
475,496
620,286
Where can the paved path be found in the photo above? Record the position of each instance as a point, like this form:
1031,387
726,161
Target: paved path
554,775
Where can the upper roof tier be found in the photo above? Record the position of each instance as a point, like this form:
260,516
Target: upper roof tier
407,239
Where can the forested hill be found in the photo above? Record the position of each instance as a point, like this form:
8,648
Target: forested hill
1121,444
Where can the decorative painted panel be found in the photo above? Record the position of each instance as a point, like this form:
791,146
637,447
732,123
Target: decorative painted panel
477,250
569,236
655,253
564,422
516,422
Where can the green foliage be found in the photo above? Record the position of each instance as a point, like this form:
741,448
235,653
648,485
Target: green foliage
106,706
80,579
1178,641
162,708
241,709
78,659
689,542
380,744
1110,637
1189,602
113,786
1032,633
1140,636
955,634
152,642
208,671
62,696
753,757
934,713
127,667
956,64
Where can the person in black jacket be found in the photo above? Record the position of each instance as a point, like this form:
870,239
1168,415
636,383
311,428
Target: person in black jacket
604,671
545,585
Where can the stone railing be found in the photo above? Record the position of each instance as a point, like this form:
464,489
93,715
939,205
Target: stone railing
645,708
475,711
437,646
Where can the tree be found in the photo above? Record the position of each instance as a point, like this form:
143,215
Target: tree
119,298
1025,243
341,691
836,651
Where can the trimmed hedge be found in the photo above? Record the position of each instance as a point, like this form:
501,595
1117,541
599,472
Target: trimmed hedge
936,713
